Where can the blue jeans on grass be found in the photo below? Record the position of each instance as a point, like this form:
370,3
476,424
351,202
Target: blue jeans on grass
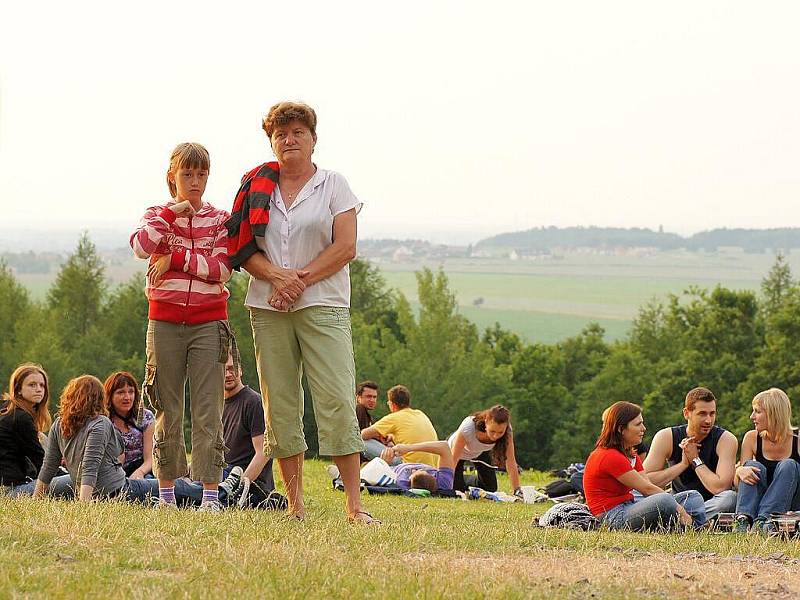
659,511
759,501
373,449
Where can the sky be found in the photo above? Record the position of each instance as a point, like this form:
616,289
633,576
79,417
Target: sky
452,121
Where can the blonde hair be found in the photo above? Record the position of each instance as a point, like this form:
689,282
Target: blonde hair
189,155
39,412
778,409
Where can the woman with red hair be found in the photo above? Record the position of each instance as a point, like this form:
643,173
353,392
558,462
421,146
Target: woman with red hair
614,470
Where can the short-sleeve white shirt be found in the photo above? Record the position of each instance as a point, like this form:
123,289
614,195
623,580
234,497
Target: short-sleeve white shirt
473,447
297,235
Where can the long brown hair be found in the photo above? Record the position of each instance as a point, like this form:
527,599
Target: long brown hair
114,382
615,419
499,414
81,401
39,412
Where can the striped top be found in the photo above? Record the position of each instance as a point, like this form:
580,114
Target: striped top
193,290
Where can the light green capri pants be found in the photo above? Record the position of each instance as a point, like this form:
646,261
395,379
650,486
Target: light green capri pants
316,341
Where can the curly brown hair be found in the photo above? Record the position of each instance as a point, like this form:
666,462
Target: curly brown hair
286,112
39,412
81,401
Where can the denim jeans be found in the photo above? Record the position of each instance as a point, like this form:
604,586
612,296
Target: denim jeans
659,511
373,449
777,496
60,487
724,502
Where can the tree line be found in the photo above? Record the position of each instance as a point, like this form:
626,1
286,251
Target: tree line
547,238
737,343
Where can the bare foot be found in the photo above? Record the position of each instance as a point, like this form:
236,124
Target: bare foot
363,518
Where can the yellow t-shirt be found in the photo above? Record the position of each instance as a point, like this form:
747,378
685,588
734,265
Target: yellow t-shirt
410,426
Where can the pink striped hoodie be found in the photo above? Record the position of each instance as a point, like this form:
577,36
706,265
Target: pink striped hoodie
193,290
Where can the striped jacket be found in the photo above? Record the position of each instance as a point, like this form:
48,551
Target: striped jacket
193,290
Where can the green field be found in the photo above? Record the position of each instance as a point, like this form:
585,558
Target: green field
547,301
426,548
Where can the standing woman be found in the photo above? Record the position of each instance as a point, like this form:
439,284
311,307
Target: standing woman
769,478
134,422
24,418
293,228
486,438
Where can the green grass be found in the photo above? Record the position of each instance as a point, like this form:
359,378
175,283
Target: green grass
427,548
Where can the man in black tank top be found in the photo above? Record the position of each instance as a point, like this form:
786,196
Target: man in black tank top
699,455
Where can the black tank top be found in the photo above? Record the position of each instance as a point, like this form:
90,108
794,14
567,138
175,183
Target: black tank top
688,480
772,464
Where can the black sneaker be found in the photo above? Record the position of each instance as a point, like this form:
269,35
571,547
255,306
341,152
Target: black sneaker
232,481
241,495
742,524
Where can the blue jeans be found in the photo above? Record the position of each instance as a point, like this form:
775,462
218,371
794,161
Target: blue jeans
60,487
659,511
724,502
777,496
373,449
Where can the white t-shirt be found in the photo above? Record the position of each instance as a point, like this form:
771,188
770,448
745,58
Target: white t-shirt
473,448
297,235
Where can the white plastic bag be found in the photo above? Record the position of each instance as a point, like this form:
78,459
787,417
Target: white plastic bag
378,472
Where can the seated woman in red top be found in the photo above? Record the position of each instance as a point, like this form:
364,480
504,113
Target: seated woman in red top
614,470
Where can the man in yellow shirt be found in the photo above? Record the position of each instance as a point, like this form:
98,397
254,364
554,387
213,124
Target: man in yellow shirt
404,425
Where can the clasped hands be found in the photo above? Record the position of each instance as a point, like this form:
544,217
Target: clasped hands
392,452
691,449
287,286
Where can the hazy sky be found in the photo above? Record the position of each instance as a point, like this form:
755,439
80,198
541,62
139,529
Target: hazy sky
451,120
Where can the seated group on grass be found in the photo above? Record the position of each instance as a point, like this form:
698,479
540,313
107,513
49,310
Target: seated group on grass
699,461
406,438
103,438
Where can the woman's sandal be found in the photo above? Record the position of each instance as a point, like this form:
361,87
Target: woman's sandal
364,518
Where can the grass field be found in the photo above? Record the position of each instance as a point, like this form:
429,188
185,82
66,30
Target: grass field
426,548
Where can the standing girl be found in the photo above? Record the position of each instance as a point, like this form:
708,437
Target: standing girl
188,333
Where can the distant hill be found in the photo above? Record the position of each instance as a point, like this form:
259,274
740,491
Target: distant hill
547,238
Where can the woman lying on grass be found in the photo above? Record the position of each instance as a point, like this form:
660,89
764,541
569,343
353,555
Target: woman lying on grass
92,448
769,478
614,470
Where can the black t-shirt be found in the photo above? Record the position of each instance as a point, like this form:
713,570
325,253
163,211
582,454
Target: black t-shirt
19,446
363,416
242,420
688,480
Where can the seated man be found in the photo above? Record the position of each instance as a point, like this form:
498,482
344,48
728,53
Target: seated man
405,425
243,430
366,399
423,476
699,456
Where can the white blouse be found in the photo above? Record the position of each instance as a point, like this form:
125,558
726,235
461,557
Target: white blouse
297,235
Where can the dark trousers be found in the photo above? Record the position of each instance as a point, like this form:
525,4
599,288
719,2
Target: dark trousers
485,477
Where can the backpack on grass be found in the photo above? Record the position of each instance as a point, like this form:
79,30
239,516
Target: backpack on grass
569,515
